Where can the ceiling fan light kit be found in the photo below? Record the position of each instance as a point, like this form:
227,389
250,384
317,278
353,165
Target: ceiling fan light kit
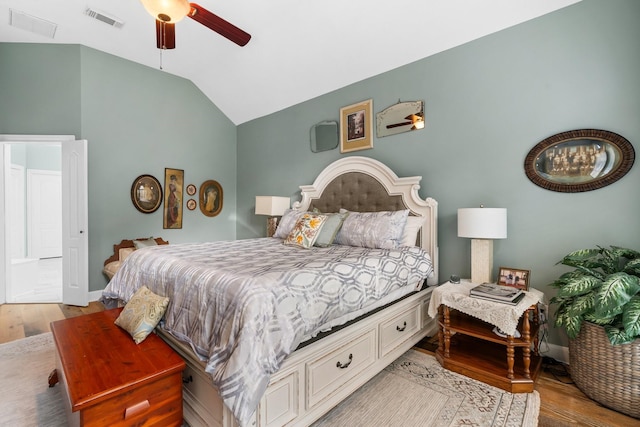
168,12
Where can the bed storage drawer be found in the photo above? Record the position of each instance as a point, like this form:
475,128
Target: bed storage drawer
281,402
399,329
330,372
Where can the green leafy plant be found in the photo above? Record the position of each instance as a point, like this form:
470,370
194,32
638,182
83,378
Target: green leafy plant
603,289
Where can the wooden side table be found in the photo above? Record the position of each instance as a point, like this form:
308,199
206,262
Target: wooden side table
470,347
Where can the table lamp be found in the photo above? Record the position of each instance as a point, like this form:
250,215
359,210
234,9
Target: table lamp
273,206
482,225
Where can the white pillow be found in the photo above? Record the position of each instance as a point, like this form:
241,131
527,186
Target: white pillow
411,228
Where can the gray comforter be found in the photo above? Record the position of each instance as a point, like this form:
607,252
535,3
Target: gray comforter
245,305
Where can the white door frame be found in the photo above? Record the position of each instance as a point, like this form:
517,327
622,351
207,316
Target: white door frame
81,283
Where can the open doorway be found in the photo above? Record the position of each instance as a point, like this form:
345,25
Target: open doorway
44,253
34,203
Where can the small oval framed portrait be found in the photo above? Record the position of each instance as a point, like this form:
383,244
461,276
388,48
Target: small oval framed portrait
210,198
146,193
191,189
191,204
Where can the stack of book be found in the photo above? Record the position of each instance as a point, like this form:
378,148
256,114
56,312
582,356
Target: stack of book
497,293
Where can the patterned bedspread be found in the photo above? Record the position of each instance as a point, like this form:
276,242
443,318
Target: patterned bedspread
245,305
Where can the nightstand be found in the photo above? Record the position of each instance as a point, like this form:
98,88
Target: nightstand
467,345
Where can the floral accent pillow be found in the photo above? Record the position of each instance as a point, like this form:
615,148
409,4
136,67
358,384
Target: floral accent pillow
306,230
287,222
381,230
142,313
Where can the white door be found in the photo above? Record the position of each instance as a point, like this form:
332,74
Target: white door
44,211
75,237
16,203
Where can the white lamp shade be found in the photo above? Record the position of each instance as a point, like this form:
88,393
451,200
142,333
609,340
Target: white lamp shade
482,223
272,205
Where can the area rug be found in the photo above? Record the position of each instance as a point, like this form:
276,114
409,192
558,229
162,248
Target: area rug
416,391
412,391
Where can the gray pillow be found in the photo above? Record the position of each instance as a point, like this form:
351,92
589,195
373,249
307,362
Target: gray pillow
373,229
139,244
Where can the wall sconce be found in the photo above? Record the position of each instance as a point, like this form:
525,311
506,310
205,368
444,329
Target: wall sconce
273,206
482,225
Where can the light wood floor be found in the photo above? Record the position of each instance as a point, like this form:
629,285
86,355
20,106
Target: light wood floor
562,404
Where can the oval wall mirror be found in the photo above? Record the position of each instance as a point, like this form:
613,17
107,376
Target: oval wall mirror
579,160
324,136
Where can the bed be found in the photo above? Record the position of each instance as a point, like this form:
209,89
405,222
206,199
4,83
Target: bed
303,372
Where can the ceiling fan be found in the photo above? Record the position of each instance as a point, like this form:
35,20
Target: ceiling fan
168,12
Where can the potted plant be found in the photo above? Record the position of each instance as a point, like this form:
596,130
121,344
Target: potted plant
598,305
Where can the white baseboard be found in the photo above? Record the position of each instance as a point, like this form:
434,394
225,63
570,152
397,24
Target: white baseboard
94,296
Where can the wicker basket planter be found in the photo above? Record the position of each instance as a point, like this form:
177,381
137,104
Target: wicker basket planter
606,373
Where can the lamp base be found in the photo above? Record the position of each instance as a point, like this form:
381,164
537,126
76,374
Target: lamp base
481,260
272,224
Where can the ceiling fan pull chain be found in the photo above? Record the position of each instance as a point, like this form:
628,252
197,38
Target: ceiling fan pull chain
161,58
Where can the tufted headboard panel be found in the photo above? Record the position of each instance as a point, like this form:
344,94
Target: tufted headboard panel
358,192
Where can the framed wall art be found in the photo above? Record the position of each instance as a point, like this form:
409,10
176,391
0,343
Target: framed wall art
146,193
173,195
211,198
579,160
191,204
356,127
191,189
514,277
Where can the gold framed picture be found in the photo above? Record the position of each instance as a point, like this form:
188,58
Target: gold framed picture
356,127
173,195
514,277
211,198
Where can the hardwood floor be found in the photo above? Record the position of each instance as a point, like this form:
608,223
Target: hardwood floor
561,404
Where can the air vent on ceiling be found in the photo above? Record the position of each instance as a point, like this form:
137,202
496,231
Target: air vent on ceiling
32,23
103,17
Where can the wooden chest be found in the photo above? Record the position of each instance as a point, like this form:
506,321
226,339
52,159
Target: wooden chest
109,380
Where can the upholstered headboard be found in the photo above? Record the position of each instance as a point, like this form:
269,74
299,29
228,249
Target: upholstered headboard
362,184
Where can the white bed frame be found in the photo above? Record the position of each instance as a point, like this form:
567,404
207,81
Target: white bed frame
317,377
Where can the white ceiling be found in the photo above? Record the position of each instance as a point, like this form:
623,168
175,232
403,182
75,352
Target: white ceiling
299,49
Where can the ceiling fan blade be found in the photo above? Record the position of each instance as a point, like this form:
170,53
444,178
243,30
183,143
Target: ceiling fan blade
165,35
219,25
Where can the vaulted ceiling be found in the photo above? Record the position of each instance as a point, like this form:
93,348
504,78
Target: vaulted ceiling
299,49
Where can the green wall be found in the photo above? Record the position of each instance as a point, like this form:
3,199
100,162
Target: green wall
137,120
487,103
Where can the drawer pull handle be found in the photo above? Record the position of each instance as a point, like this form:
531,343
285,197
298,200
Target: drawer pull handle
346,365
187,380
404,326
136,409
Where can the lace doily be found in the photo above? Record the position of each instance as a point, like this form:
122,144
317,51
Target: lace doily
503,316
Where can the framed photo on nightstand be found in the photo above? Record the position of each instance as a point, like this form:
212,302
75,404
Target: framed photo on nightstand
514,277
